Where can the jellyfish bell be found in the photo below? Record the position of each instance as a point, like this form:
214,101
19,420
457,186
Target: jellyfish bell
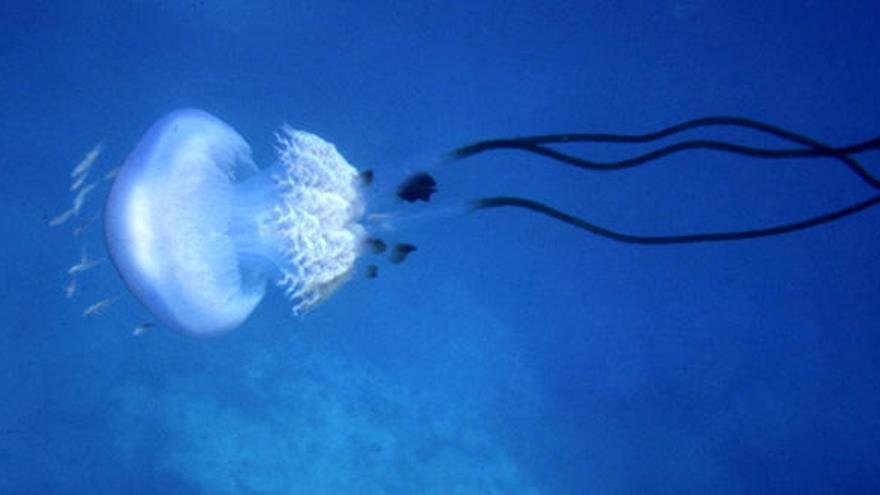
197,230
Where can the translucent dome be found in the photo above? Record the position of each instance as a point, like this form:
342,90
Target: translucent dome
196,229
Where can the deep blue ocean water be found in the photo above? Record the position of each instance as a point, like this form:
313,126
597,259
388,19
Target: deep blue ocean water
510,353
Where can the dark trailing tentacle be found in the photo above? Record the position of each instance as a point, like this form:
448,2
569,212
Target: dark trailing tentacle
506,201
811,149
679,147
717,121
814,149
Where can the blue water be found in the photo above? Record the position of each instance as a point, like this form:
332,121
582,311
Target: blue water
510,353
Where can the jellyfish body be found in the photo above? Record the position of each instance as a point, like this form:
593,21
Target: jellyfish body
197,230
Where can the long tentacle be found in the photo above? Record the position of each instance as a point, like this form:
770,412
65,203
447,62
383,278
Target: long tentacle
515,202
813,148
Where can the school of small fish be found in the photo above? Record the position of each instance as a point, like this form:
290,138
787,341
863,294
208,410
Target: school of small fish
79,177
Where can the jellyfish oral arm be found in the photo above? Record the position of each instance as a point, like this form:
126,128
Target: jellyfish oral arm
317,215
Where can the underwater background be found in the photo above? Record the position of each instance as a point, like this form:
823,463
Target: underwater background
509,353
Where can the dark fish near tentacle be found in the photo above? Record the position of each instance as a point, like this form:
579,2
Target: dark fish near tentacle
419,186
372,271
400,252
375,245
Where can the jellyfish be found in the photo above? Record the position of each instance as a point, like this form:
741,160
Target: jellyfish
197,231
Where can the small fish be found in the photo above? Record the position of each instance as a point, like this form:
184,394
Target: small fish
61,218
83,166
365,178
100,306
401,251
372,271
143,327
419,186
381,221
84,225
80,179
80,198
84,263
70,290
111,173
375,245
378,217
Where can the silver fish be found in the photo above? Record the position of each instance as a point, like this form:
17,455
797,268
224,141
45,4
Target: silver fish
70,290
100,306
84,263
80,198
80,179
84,225
111,173
61,218
83,166
142,328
